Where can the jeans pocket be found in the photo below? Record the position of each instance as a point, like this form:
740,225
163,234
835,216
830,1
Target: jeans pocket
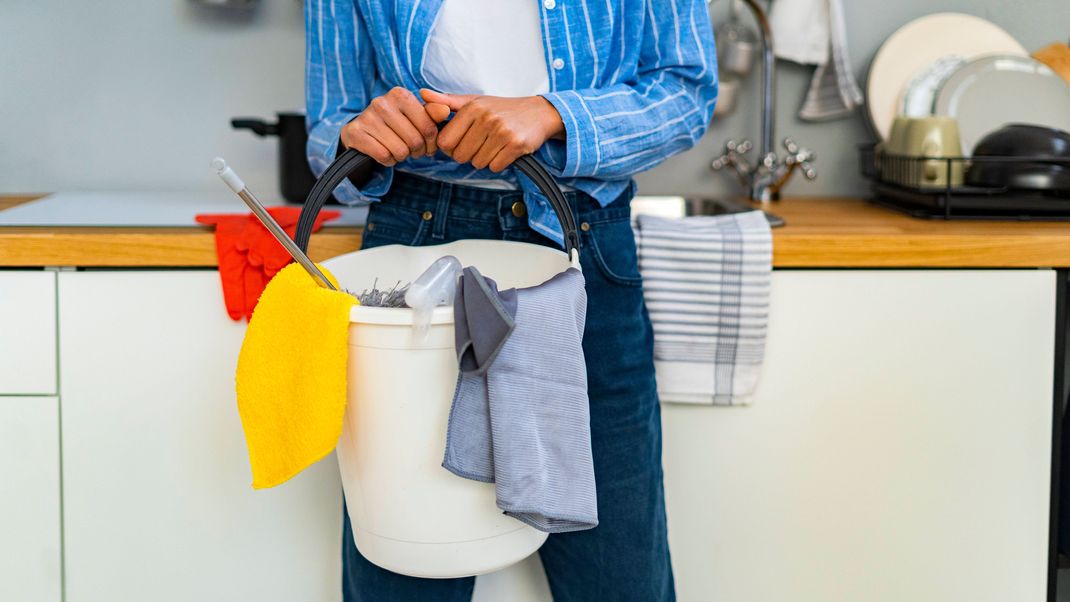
392,225
612,247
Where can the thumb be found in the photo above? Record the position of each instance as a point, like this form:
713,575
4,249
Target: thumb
453,101
437,112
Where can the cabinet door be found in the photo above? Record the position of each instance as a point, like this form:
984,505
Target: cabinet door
157,497
898,447
29,499
27,332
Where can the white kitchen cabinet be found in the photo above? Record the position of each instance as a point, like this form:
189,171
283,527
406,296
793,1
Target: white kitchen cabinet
157,497
29,499
27,332
898,447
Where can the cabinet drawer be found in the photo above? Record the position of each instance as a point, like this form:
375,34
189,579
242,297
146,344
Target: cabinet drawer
27,333
156,497
29,499
898,447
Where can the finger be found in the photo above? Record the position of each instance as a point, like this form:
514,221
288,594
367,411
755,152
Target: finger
422,122
367,144
437,111
385,108
505,157
486,153
453,101
473,140
451,135
404,129
351,130
399,151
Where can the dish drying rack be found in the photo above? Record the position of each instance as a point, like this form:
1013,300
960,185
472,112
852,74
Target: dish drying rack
894,182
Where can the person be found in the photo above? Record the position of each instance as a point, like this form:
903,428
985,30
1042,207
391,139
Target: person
598,91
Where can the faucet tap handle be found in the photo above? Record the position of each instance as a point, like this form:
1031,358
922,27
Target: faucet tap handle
733,158
801,156
769,161
743,147
732,155
721,162
796,152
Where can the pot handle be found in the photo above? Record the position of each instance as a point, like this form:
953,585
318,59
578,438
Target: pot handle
258,126
352,160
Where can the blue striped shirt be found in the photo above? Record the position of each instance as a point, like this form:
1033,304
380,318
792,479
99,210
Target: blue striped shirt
635,81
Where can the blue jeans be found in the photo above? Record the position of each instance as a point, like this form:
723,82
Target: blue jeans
627,556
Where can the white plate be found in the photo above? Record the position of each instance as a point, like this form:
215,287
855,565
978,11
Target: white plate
919,96
917,45
992,91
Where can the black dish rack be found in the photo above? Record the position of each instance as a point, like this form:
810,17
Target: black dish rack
893,180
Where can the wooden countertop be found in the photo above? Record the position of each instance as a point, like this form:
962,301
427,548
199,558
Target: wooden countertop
821,232
854,233
192,246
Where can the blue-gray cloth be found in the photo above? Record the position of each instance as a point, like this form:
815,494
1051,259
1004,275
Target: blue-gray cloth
520,417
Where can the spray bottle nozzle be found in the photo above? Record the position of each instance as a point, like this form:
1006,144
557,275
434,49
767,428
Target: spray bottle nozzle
434,288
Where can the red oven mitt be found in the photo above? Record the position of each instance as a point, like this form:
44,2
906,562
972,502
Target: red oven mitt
249,256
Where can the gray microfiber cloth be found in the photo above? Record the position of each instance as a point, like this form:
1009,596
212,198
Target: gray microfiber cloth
520,417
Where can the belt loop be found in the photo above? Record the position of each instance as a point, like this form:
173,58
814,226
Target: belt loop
438,223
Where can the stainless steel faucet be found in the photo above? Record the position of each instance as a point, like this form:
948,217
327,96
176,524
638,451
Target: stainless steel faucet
765,178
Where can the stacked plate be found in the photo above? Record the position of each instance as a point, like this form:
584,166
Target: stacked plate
964,67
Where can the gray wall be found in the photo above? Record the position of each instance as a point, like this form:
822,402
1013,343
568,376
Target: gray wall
134,94
137,94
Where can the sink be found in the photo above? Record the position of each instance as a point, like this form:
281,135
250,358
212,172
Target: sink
678,206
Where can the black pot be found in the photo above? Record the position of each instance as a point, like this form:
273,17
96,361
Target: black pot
295,176
1023,157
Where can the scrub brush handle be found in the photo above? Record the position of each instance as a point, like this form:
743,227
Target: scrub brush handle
238,186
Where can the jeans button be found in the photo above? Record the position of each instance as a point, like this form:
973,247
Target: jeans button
586,227
519,209
427,215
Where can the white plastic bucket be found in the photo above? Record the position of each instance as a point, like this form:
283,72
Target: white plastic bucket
409,514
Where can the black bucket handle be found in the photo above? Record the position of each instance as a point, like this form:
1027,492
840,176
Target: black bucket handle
351,160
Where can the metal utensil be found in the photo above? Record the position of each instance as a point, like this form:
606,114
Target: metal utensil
737,45
727,93
236,184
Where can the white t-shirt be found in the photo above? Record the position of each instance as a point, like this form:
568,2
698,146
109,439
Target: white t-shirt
488,47
491,47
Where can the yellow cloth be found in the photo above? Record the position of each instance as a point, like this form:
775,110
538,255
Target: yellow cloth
291,378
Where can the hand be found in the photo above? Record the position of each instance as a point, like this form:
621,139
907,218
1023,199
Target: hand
493,131
394,127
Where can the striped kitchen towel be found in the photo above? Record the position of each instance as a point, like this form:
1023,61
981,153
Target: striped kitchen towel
706,282
812,32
